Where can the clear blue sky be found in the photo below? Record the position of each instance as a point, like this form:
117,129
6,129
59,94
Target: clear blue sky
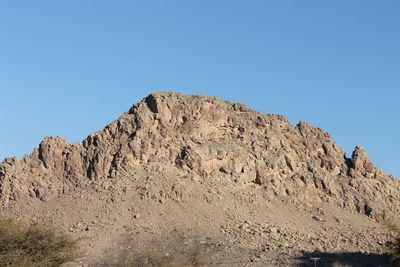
68,68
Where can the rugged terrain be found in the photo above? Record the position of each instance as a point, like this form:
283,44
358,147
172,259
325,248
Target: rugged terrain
251,188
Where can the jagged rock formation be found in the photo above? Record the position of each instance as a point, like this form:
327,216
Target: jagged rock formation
213,141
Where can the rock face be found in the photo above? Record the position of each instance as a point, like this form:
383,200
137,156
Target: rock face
215,142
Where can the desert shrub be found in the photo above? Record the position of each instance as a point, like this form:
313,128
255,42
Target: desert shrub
150,258
35,246
171,251
336,264
394,245
191,257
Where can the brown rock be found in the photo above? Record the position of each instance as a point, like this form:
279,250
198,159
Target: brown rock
211,141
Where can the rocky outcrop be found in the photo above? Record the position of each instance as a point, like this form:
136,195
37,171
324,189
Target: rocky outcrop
216,142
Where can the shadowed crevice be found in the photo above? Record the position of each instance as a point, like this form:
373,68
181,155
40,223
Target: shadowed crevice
348,259
151,103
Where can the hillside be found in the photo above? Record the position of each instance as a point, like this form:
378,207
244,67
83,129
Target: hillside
211,171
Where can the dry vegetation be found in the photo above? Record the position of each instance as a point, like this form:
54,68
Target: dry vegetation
174,251
35,246
188,258
394,245
43,246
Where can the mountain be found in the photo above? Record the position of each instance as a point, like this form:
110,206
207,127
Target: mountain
172,150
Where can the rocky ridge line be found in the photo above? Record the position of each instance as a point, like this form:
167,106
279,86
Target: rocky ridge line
214,141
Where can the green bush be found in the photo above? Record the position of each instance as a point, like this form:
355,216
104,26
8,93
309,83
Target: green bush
394,245
35,246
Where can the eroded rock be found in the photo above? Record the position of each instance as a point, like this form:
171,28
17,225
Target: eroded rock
214,141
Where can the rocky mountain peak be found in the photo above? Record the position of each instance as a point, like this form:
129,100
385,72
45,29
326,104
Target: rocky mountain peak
212,141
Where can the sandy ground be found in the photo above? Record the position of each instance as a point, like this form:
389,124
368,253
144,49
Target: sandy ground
233,225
